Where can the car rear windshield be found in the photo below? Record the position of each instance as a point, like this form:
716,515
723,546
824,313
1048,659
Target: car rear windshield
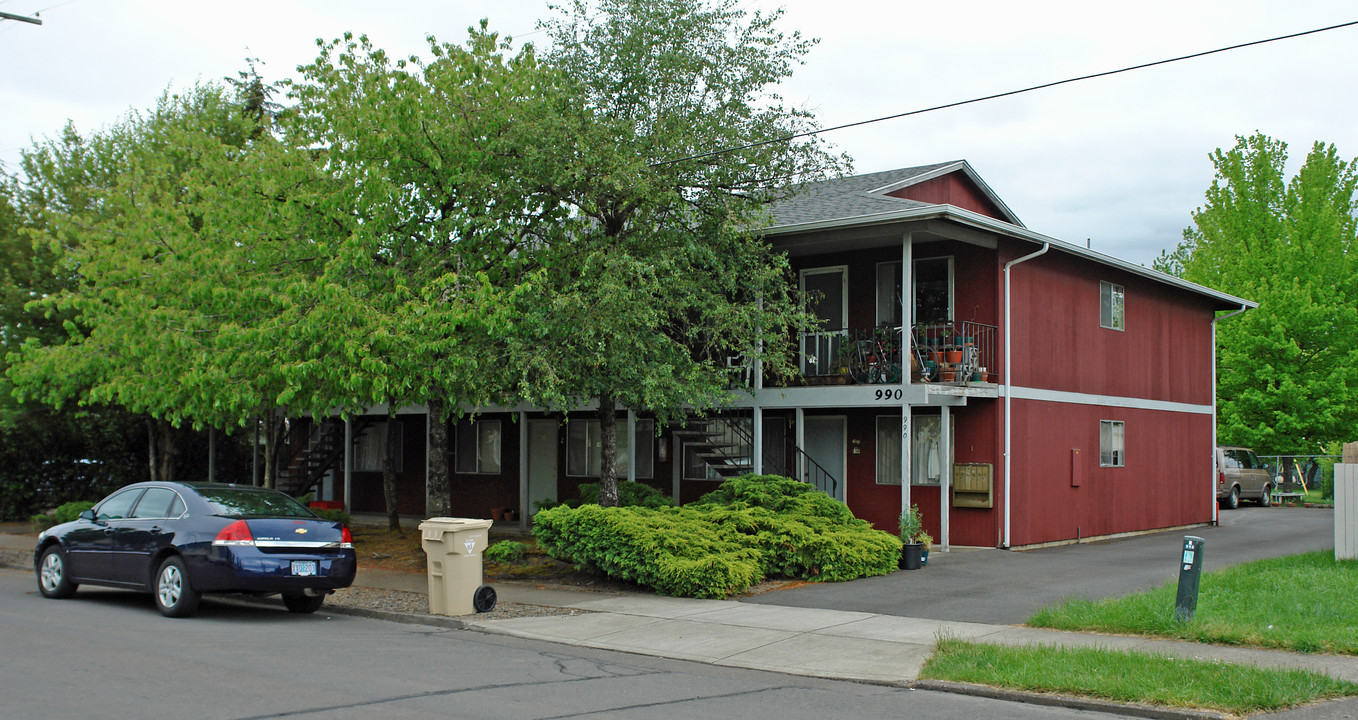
239,502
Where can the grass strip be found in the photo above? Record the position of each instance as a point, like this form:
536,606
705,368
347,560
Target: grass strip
1131,677
1303,603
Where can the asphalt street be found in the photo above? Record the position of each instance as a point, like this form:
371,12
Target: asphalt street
110,654
1005,587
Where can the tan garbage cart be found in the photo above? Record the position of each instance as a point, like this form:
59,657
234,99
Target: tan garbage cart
453,548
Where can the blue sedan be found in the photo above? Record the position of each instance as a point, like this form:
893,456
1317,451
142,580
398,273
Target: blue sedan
180,540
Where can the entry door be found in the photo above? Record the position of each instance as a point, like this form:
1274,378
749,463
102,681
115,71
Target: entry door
825,290
542,459
825,443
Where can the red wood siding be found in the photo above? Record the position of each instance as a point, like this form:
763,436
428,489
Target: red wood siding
1163,354
1166,481
951,189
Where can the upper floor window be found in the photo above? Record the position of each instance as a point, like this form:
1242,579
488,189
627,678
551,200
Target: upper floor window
478,447
1112,443
1111,312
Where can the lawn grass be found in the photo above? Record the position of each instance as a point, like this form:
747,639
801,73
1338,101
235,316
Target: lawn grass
1304,603
1128,676
1314,497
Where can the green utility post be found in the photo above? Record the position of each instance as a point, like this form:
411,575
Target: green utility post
1190,572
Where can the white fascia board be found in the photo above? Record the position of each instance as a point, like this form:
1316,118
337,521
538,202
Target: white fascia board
1131,403
985,222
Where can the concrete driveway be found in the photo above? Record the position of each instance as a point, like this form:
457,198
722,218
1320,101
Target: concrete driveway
1005,587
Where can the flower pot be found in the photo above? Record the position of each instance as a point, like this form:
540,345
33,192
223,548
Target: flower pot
497,513
952,356
924,557
948,376
511,515
911,556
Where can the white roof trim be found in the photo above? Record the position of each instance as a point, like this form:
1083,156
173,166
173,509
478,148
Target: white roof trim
985,222
948,169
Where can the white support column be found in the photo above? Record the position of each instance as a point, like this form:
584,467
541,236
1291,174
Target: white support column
349,465
523,469
907,321
800,418
757,446
631,446
945,482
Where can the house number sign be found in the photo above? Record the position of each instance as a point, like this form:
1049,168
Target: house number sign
889,394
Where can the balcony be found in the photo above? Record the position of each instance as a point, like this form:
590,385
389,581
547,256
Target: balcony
955,353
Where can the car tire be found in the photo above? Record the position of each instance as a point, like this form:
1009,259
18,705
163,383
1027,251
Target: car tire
175,597
1266,497
1232,501
53,582
303,604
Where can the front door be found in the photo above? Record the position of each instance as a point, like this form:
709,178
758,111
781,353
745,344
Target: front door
542,459
825,444
825,290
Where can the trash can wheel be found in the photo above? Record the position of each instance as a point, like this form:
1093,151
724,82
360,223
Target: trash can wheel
484,599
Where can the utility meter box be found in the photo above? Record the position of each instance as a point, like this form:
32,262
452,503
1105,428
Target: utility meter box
453,547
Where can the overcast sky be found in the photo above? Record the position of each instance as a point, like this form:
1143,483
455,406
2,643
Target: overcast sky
1121,160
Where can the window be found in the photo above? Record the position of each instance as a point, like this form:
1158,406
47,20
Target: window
159,503
478,447
933,290
1112,443
370,448
1111,312
584,449
117,507
927,454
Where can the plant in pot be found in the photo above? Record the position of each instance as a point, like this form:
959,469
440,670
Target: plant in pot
927,542
912,532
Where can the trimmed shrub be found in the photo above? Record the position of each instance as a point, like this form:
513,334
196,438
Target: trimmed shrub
630,494
506,551
750,528
334,515
63,514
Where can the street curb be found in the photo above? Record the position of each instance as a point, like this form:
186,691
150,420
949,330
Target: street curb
452,623
16,559
1068,701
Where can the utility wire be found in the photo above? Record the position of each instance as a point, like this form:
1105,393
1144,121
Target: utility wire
1142,66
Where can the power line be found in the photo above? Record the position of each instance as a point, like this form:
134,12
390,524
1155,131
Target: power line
1142,66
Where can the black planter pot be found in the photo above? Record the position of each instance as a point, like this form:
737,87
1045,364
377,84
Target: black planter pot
911,556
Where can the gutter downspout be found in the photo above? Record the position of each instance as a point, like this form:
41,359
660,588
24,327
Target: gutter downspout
1009,383
1216,510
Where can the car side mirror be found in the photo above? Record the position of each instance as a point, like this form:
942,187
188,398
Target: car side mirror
86,514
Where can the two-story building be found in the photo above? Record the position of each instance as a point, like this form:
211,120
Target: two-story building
1046,392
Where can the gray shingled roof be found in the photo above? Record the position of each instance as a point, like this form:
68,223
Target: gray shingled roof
851,197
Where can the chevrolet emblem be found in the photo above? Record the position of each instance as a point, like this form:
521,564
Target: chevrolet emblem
301,531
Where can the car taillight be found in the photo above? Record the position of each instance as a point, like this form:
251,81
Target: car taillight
346,537
237,533
1221,478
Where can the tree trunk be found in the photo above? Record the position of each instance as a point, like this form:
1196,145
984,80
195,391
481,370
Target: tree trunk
608,454
152,450
440,493
389,474
271,443
169,450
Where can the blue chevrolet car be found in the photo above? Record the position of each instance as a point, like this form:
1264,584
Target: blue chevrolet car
180,540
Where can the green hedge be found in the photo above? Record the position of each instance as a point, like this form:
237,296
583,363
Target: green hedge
750,528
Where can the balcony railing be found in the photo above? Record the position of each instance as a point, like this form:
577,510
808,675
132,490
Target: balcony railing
954,353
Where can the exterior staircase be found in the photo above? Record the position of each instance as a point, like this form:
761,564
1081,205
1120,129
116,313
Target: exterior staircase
319,452
725,446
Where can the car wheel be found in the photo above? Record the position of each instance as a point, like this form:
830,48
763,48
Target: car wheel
1233,500
174,596
52,579
303,604
1266,497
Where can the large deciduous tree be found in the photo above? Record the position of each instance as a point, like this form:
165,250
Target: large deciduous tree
663,279
1287,371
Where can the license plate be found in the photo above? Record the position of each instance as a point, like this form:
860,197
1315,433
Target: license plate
303,567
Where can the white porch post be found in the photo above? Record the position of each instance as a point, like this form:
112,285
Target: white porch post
349,464
523,469
907,321
757,445
945,482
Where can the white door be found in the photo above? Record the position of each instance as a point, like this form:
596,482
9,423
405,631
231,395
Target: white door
542,460
825,443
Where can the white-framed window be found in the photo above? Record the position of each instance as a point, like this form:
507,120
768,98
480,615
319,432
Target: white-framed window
584,448
478,447
370,448
1112,443
927,454
1112,299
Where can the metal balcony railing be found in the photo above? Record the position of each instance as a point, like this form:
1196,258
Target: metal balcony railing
949,352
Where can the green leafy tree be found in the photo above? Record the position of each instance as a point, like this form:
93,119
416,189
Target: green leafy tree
1287,371
662,279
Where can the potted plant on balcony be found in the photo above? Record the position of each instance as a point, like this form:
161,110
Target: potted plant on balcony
912,532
